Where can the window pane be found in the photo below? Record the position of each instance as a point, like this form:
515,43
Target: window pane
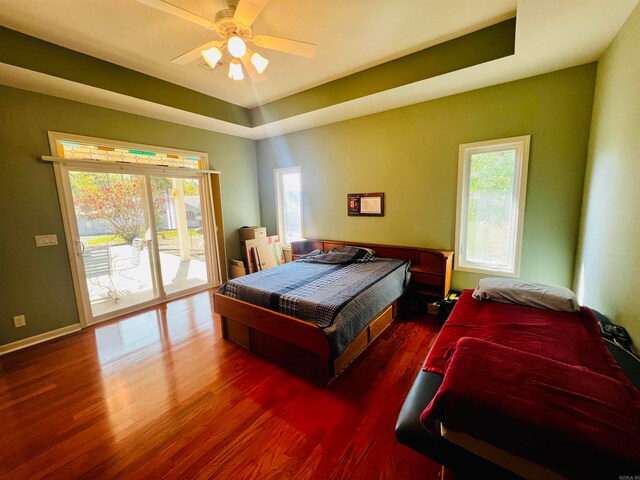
181,243
489,227
290,185
112,153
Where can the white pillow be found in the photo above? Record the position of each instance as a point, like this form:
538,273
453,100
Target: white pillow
533,294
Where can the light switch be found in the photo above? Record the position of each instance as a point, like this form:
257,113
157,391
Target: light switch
46,240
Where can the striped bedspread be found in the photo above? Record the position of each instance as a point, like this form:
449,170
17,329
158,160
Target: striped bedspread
318,292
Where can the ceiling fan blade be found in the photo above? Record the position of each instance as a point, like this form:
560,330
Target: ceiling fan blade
248,10
253,73
196,53
178,12
294,47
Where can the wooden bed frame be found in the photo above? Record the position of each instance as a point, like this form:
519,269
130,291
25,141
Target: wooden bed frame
302,347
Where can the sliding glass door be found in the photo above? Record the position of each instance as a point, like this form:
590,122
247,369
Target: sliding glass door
180,232
138,238
112,221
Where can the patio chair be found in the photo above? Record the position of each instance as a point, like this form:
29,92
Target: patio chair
131,262
97,265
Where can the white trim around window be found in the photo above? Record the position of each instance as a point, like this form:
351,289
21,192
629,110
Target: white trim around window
62,167
474,252
278,174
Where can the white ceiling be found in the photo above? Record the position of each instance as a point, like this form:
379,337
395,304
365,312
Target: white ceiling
351,35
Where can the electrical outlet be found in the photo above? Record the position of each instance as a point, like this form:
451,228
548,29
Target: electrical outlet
19,321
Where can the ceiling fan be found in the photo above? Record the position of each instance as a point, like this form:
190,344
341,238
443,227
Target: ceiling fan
233,26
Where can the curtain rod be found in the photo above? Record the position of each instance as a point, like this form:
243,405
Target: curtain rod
49,158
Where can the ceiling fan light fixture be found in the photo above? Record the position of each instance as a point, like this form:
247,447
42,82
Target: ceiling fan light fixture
212,56
234,27
259,62
237,47
235,70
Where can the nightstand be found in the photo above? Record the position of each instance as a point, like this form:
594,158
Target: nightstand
431,275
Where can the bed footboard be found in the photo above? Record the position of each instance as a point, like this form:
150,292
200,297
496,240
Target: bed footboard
299,346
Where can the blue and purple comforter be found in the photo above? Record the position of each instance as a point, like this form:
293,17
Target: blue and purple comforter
341,299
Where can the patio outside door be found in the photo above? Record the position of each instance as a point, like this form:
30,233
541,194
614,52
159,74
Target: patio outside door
181,243
139,238
113,223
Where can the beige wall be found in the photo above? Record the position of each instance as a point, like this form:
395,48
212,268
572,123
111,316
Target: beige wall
411,154
37,282
608,266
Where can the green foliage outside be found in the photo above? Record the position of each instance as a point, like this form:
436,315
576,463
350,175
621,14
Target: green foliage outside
174,234
116,240
490,191
106,239
87,180
491,186
118,199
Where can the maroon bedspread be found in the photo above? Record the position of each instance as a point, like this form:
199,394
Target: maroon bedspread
575,421
571,338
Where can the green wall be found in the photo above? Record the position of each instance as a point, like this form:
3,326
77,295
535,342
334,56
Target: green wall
34,54
608,265
484,45
481,46
37,281
411,154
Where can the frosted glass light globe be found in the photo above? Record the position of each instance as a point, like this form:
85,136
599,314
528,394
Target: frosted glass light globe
259,62
235,70
212,56
236,47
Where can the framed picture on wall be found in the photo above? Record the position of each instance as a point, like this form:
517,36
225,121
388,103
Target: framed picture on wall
365,204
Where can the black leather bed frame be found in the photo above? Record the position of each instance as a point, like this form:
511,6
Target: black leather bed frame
410,432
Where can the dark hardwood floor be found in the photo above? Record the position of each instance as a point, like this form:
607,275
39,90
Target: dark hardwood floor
160,394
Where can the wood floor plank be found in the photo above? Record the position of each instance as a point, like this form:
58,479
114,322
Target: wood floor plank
160,394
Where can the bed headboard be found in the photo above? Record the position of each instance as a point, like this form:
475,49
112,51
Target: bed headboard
430,268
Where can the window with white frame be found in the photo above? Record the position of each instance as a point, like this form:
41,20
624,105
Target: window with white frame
289,204
492,183
89,148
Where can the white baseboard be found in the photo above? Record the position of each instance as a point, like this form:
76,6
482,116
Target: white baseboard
43,337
